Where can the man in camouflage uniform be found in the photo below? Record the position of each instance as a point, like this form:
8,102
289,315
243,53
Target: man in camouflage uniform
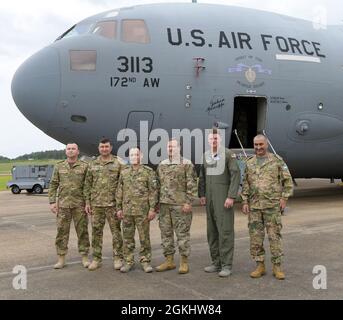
100,189
137,198
218,188
178,188
267,185
67,202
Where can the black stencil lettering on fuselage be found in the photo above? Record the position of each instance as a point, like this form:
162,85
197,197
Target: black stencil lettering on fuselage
124,64
243,41
265,40
244,38
151,83
278,100
223,40
171,40
148,65
295,44
200,40
315,46
304,45
135,64
282,44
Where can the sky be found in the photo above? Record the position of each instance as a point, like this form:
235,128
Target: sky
28,26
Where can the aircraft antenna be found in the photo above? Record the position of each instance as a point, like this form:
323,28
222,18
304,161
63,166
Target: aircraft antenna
194,1
264,133
240,143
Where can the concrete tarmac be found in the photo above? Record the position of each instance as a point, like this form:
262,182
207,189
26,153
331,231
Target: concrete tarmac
312,236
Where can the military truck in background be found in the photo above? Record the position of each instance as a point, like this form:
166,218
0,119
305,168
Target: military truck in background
32,178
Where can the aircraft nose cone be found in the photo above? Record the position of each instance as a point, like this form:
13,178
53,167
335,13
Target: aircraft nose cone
36,87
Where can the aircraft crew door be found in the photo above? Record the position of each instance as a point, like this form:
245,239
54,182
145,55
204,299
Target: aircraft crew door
141,122
249,119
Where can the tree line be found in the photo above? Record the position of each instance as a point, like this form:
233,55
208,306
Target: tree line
4,159
42,155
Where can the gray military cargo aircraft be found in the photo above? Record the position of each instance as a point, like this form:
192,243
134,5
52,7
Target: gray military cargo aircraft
194,66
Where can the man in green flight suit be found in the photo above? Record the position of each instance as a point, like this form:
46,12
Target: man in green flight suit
67,203
218,187
100,190
137,199
267,185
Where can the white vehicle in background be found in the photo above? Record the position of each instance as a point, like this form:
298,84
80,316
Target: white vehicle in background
32,178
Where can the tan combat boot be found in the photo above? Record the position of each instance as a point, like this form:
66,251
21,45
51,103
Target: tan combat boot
85,261
184,268
61,263
167,265
94,265
277,272
259,272
117,263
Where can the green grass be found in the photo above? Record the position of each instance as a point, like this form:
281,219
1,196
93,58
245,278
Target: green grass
3,181
5,167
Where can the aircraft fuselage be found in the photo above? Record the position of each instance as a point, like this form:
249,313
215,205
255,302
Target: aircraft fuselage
197,66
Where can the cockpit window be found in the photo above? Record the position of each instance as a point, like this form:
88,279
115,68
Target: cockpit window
83,60
76,30
135,31
107,29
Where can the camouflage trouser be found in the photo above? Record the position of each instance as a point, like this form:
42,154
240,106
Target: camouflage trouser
171,218
129,227
258,221
63,219
99,217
